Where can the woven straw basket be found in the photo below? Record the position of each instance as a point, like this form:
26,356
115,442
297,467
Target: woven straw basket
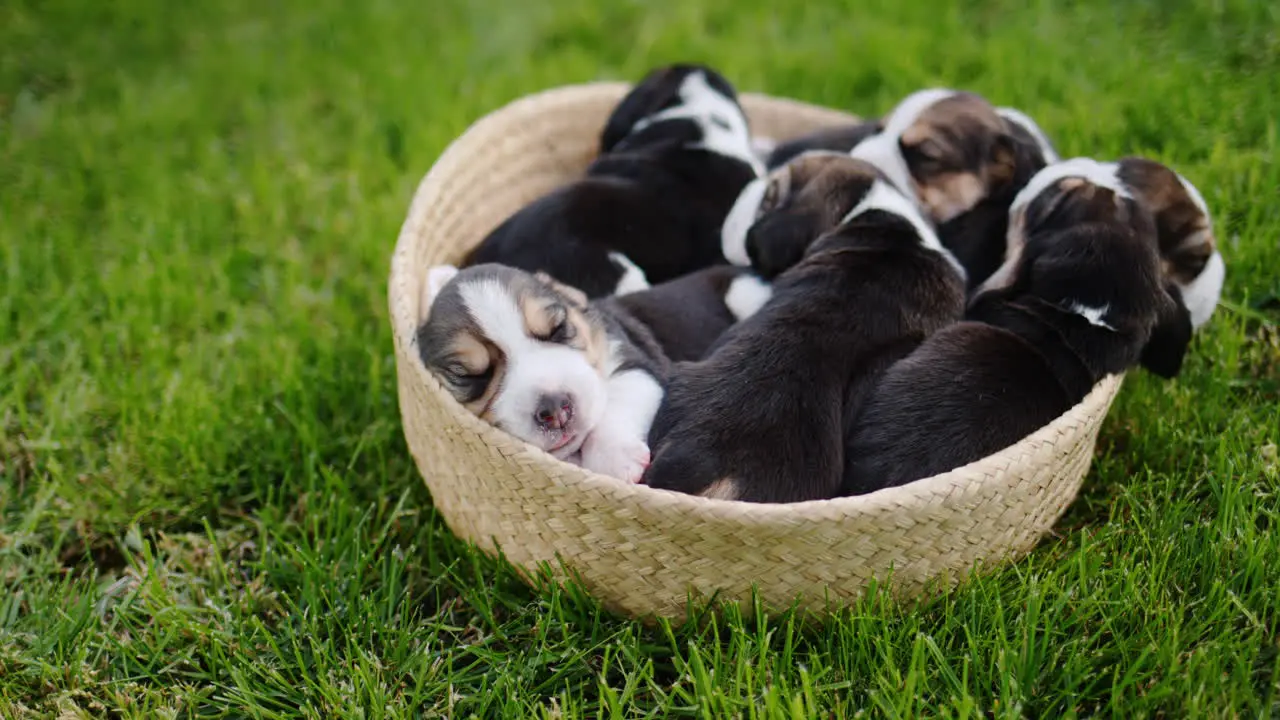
646,552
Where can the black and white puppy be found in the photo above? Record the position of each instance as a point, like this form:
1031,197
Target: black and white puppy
1188,250
963,162
763,417
577,379
1084,297
675,153
777,217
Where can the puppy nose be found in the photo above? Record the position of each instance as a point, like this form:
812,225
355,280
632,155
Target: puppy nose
554,411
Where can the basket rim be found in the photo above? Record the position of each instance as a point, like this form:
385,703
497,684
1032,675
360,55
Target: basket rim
403,300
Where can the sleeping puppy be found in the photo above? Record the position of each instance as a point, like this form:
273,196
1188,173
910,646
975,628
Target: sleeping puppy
1184,228
963,162
777,217
763,418
1084,298
674,155
577,379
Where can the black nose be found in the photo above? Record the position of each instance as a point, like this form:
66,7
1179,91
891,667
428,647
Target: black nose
554,411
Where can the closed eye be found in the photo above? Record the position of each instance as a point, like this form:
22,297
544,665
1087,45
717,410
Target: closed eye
561,330
720,122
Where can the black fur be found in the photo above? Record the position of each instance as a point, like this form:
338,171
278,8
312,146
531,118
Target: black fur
841,138
1023,357
770,406
648,196
686,315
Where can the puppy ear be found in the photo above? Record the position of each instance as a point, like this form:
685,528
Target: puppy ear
668,132
1002,161
1165,350
437,278
779,240
641,102
573,294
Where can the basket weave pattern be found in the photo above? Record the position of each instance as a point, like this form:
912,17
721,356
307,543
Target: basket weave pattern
641,551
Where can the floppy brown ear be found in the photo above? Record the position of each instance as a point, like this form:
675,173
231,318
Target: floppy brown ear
1165,350
574,295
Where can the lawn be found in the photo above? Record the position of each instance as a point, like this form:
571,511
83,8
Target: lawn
206,503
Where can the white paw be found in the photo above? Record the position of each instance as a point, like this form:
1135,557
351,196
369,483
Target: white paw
624,458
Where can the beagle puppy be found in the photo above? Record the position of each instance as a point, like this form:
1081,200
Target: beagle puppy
674,155
763,417
578,379
1084,297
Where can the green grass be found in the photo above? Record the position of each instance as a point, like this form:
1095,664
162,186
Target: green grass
206,503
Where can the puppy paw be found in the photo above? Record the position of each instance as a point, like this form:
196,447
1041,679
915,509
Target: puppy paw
619,457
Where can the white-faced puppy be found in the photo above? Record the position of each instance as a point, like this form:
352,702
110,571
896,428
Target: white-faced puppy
963,162
579,379
1084,298
763,418
675,153
534,358
1184,227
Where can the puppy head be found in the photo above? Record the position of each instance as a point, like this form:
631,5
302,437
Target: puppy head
685,104
1184,228
946,149
883,206
1088,248
776,217
520,351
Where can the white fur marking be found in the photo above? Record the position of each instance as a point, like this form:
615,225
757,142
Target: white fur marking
910,108
1094,172
746,295
763,146
1196,198
701,103
437,278
1018,117
1201,295
733,233
533,369
1095,315
633,278
883,196
618,445
883,152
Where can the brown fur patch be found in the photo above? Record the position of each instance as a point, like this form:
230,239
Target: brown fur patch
1184,234
959,151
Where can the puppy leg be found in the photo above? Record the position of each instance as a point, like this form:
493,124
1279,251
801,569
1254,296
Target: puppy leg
618,445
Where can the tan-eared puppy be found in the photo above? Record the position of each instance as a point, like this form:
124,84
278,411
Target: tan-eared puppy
578,379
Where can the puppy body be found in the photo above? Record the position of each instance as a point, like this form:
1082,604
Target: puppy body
687,315
1084,299
674,156
763,418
